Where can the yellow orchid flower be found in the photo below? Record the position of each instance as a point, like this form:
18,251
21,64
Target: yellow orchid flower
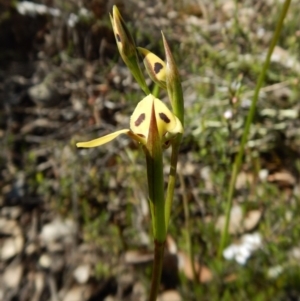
155,67
168,124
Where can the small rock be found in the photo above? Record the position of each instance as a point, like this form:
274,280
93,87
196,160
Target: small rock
39,285
139,291
78,293
11,247
263,175
58,229
55,247
294,254
275,271
31,248
109,298
44,95
12,212
54,262
82,273
12,275
9,227
45,261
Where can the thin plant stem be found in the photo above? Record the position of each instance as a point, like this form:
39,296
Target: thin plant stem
154,160
176,97
239,156
155,90
172,178
188,240
157,269
155,176
156,196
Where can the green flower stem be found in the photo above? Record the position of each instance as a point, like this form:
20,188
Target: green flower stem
157,268
176,97
155,177
155,91
156,194
188,240
154,160
172,178
238,158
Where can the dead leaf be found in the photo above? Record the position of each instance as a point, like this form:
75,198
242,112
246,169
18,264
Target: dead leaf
137,257
244,180
283,177
251,219
239,222
185,265
170,295
236,216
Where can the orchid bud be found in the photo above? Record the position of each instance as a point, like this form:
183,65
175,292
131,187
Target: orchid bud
155,67
173,83
127,48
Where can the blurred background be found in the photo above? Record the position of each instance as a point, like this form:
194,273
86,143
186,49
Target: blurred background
75,223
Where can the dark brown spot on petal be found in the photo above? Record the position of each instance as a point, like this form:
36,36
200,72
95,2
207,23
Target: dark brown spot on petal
157,67
164,117
141,135
118,37
140,119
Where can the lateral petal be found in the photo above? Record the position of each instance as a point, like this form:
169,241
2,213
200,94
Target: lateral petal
102,140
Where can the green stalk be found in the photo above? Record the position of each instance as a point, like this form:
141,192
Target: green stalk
176,97
174,83
239,156
155,90
157,268
172,178
156,197
156,194
154,159
188,240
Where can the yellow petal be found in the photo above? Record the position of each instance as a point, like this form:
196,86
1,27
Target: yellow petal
140,119
155,67
178,128
171,134
102,140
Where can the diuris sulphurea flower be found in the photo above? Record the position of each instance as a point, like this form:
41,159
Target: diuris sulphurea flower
155,67
168,124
